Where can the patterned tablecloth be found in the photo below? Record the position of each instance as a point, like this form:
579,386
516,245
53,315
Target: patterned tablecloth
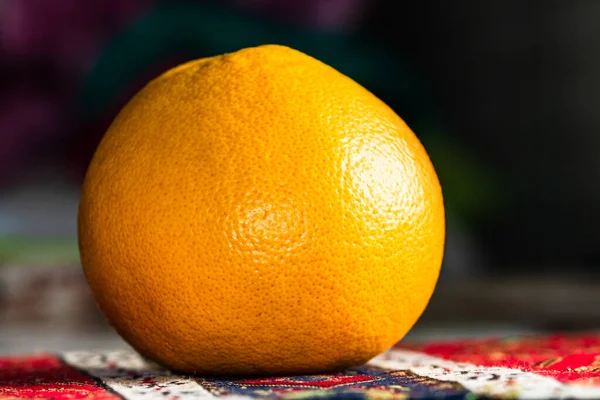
523,367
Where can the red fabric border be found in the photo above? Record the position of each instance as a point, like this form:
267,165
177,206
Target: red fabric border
567,358
44,376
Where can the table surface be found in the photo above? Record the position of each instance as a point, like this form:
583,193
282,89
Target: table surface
529,367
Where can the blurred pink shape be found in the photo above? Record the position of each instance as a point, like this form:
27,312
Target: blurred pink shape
67,31
27,119
62,37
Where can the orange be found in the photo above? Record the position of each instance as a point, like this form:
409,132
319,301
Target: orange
260,213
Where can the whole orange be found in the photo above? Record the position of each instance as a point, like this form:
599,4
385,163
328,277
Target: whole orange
260,213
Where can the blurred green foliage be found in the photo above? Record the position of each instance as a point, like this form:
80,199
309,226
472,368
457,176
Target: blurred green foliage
38,251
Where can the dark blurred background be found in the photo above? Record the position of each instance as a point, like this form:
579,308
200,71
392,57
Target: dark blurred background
503,94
